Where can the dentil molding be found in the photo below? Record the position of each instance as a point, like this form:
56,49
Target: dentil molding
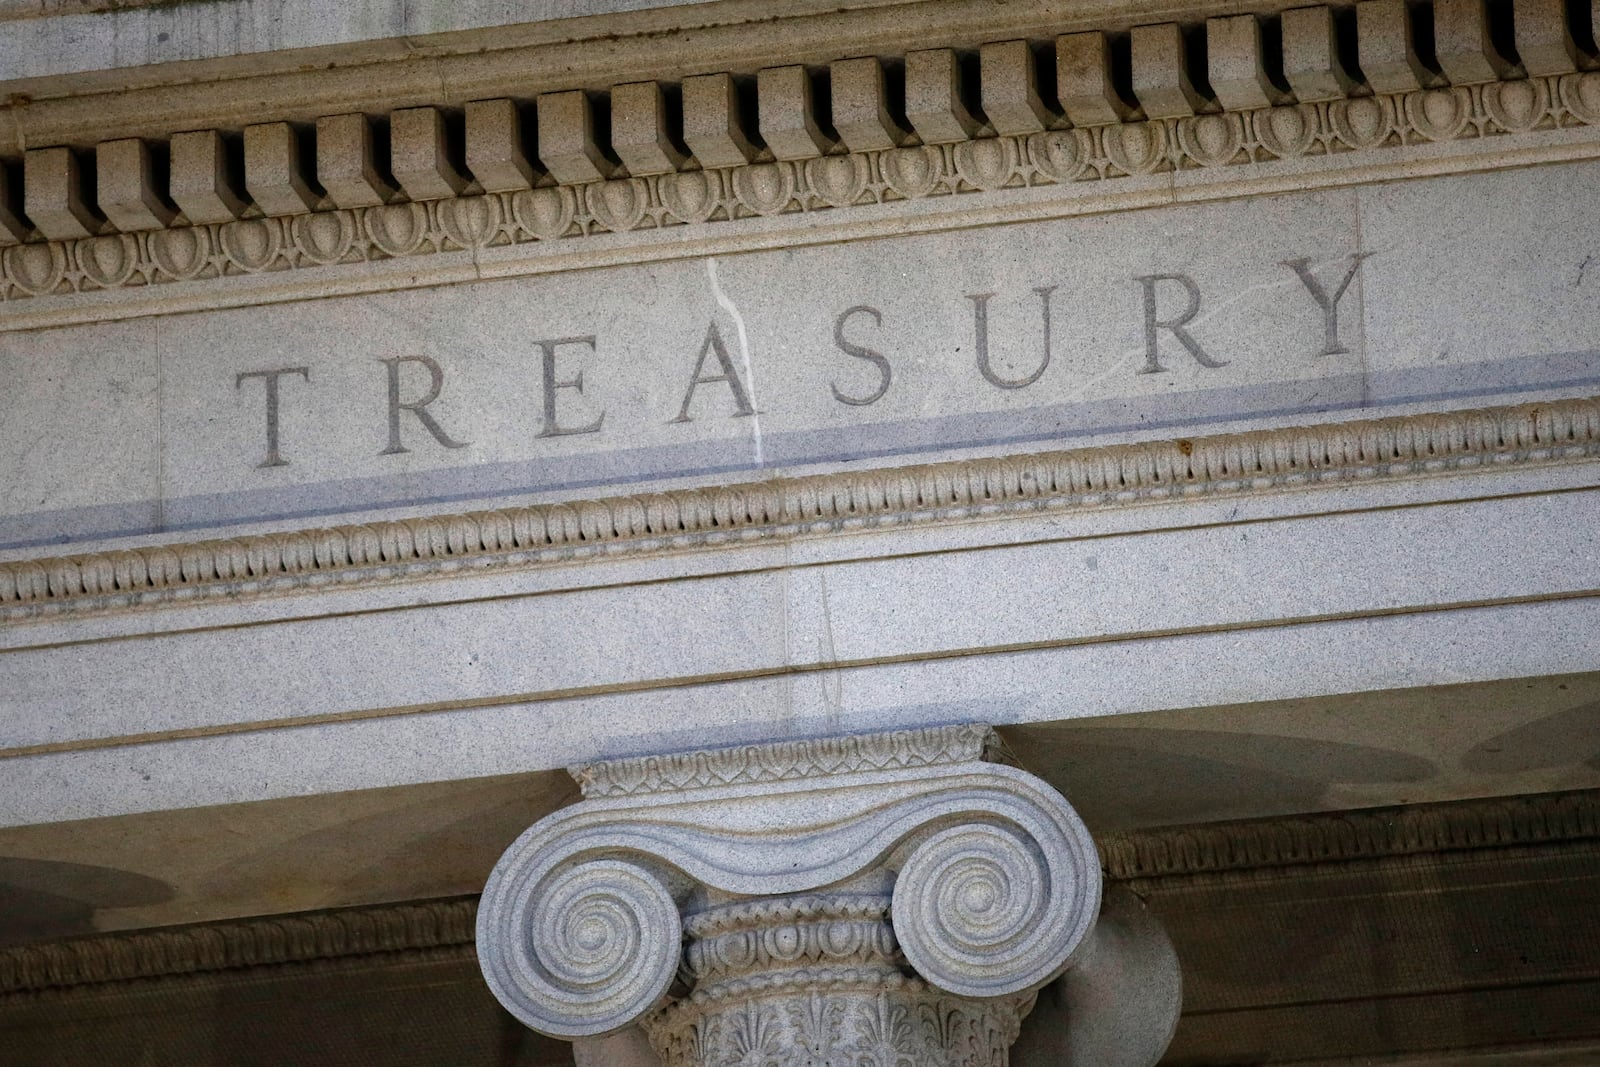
909,118
782,203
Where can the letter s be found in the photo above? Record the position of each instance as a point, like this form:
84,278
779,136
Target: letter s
872,356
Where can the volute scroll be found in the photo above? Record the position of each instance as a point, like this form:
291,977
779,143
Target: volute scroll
982,910
887,898
586,951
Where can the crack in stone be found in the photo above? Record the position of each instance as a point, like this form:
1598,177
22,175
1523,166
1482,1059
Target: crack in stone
744,352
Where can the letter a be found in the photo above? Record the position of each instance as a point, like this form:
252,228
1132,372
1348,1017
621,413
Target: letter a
715,346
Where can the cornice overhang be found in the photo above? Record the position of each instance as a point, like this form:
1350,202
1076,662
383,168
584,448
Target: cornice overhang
454,57
776,164
780,204
307,247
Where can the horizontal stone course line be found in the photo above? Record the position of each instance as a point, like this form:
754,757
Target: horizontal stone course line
1544,820
687,519
260,942
40,9
1358,835
544,228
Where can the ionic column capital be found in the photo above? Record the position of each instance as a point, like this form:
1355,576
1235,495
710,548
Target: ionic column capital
911,889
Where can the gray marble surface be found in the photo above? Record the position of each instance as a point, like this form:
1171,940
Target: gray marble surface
141,34
1470,289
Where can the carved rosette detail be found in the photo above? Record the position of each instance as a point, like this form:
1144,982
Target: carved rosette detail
892,899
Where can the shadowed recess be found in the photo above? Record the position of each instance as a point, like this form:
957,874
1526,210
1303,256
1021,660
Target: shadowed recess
1200,775
1561,739
44,899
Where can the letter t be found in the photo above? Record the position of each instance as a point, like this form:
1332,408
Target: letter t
274,458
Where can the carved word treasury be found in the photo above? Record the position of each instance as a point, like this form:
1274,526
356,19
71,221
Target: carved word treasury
572,374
